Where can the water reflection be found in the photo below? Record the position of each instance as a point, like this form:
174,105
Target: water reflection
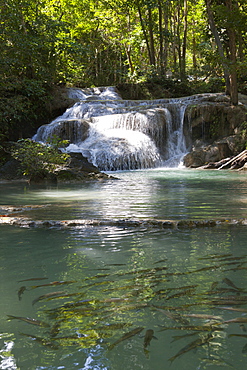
159,193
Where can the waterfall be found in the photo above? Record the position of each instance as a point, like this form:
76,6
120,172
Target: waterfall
116,134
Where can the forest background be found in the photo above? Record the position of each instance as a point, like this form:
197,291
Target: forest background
147,48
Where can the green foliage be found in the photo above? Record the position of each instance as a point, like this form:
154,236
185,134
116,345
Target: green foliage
88,43
39,160
22,103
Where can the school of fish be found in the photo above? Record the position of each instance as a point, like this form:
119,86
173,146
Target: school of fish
106,306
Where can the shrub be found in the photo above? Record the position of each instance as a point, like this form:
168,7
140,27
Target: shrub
38,160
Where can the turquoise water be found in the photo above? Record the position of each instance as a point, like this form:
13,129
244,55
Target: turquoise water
160,193
95,284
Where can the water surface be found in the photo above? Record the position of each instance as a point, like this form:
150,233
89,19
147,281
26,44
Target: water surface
108,281
159,193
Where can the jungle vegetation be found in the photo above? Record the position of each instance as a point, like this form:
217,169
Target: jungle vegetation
186,46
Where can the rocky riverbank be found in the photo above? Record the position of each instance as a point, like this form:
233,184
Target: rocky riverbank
218,134
77,169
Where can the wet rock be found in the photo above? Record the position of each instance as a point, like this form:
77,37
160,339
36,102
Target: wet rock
74,130
125,223
79,168
215,128
11,170
207,155
214,118
76,169
201,156
79,162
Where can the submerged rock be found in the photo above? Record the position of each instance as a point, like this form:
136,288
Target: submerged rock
125,223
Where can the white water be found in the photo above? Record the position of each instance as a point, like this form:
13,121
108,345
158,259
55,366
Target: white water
116,134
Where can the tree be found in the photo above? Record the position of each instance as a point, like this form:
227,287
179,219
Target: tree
231,18
104,42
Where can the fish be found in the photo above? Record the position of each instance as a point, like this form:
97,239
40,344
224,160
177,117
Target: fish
233,258
236,320
244,349
41,278
230,283
126,336
96,277
97,283
45,296
72,305
141,271
115,300
242,327
237,268
224,290
53,283
66,295
216,361
186,287
212,327
115,326
40,340
234,301
202,316
177,337
181,294
55,329
124,287
213,256
237,335
164,260
234,309
234,297
214,285
174,316
114,310
29,321
149,335
196,343
21,291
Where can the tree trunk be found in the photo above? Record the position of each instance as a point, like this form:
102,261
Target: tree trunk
161,40
179,42
151,37
144,31
194,49
219,46
236,162
184,44
233,51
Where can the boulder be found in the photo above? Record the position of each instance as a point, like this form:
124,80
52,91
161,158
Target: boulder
216,131
76,169
203,154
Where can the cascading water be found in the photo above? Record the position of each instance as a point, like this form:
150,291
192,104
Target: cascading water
117,134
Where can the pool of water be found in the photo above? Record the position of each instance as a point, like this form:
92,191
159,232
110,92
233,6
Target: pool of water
159,193
93,297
